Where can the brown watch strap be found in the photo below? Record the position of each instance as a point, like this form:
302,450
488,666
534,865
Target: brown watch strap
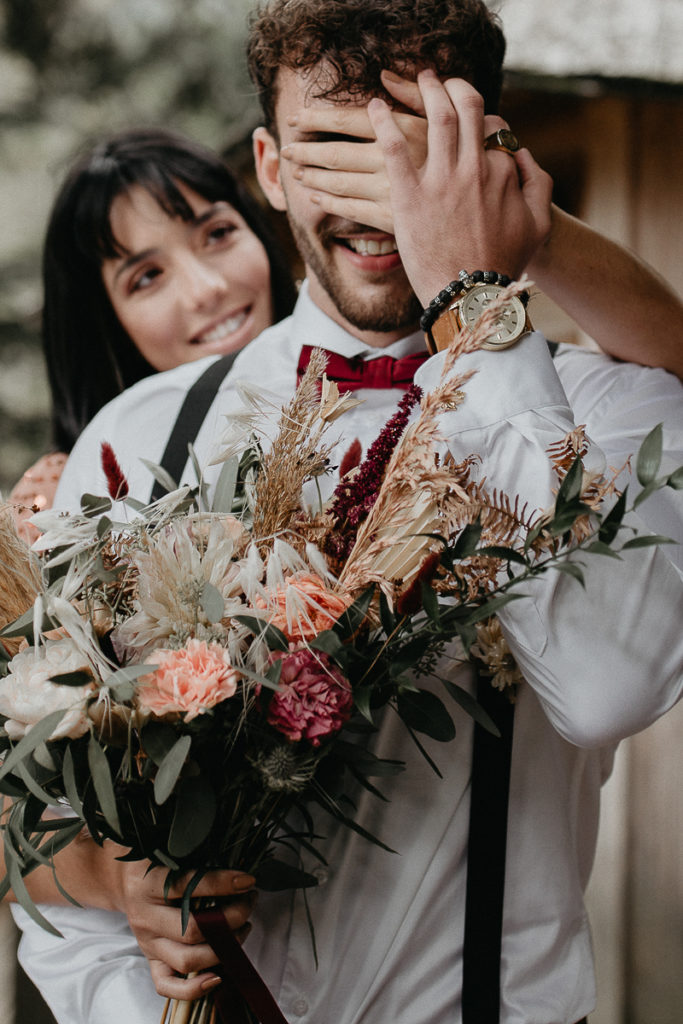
443,330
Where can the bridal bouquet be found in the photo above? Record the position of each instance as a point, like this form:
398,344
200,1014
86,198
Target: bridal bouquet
194,681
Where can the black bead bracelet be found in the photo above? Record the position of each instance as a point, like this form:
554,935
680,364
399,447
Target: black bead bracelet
464,280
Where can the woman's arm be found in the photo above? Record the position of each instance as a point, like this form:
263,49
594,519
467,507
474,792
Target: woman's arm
92,875
615,297
610,293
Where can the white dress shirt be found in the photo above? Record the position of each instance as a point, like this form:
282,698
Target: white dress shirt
389,927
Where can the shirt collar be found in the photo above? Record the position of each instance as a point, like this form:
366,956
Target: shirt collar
310,326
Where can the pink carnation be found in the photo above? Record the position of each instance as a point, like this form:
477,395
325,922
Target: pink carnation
187,681
315,699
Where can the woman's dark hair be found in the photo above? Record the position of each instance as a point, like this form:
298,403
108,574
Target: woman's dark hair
90,357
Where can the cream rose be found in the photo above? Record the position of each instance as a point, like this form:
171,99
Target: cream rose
27,695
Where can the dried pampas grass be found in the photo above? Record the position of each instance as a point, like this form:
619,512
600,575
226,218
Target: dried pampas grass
20,581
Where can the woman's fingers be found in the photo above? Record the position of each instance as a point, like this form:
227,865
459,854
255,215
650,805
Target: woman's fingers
173,986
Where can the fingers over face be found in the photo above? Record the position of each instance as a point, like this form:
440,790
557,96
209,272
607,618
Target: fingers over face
334,156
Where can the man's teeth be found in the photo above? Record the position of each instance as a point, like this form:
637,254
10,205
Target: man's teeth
223,329
371,246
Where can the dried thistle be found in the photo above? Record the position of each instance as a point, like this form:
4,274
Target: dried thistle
20,581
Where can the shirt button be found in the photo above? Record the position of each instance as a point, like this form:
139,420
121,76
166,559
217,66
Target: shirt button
321,874
300,1006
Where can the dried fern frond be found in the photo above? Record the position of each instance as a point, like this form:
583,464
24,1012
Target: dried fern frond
296,455
20,581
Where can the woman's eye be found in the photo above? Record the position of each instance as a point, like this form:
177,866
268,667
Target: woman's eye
218,233
144,279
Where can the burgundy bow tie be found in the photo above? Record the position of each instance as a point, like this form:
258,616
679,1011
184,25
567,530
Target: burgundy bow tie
352,374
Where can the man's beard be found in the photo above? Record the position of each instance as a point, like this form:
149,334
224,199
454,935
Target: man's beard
401,312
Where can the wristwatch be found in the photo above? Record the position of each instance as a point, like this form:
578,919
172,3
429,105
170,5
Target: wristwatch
476,292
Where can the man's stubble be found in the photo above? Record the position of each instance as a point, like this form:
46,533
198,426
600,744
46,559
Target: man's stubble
400,311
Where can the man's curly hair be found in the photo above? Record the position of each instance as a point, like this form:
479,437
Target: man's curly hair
349,42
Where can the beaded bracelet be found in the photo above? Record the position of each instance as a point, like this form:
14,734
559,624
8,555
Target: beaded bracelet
464,280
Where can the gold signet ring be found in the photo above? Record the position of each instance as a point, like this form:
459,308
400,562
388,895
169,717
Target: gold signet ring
503,139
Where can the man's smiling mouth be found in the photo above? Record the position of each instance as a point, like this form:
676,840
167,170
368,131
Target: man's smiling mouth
370,246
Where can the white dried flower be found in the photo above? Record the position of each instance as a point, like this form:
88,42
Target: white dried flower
27,695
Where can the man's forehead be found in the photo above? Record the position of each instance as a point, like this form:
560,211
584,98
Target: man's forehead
302,88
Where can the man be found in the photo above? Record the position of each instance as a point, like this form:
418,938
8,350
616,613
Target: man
389,928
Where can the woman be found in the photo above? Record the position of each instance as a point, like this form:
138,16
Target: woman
203,276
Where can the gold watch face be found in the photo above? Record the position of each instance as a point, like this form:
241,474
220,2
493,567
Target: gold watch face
509,326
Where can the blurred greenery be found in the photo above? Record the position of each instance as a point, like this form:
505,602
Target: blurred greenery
71,70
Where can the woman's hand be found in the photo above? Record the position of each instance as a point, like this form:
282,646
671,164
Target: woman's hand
156,925
463,206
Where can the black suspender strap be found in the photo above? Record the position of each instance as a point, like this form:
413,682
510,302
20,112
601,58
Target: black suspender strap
190,418
490,790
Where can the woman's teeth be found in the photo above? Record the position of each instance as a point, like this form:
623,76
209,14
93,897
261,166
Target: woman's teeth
372,246
222,330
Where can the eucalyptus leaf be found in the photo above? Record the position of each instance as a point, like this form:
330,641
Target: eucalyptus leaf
276,875
102,781
649,456
570,488
160,475
471,706
507,554
256,677
328,642
38,733
70,783
33,786
647,541
194,816
94,505
426,713
571,569
275,638
77,678
170,769
675,479
157,740
211,602
22,895
23,626
224,491
467,541
350,619
611,524
386,615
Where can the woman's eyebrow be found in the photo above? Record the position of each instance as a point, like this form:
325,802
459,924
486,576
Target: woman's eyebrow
219,207
196,222
131,260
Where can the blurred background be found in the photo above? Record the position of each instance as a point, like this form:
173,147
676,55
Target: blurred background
594,89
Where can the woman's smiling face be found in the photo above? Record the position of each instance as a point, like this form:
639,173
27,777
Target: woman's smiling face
186,289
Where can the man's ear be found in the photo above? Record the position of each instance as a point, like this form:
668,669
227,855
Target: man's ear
267,161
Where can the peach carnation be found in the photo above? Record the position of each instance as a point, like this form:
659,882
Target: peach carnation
188,681
304,607
314,700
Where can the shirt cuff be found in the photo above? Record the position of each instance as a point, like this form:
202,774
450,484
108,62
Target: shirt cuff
506,383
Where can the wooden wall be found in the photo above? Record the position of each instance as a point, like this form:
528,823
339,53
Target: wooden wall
618,163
